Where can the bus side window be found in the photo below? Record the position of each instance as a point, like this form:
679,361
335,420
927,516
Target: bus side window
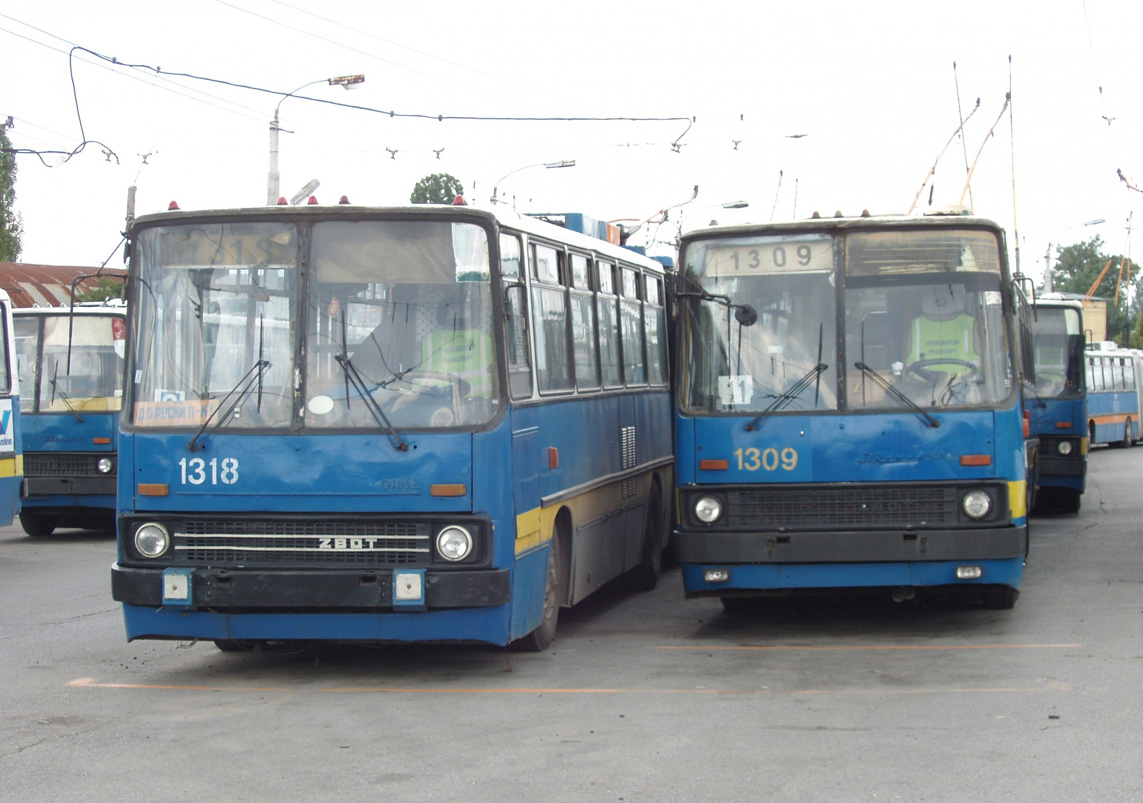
516,314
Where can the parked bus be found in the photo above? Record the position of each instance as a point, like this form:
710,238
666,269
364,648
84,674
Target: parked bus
398,424
849,409
1114,389
11,439
71,369
1058,415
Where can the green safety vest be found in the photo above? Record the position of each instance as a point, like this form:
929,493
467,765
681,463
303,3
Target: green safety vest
937,340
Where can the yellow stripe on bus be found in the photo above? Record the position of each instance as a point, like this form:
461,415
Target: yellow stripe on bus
1017,498
12,466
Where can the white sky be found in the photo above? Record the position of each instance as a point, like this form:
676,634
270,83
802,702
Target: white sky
871,86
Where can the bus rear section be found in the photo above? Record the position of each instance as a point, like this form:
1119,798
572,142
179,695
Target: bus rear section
1058,413
11,435
1114,394
71,367
320,442
850,410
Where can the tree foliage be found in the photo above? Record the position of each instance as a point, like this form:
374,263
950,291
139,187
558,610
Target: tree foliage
1077,269
11,227
438,188
106,287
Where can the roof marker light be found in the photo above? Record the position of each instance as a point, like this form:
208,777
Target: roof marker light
343,200
312,200
459,201
173,206
282,201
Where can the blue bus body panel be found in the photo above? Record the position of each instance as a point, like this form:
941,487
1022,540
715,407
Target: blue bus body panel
56,432
875,448
849,450
11,451
1109,411
1047,418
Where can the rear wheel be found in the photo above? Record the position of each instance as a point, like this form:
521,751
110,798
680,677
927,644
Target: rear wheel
645,576
542,637
38,524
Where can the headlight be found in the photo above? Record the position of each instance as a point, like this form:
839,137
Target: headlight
1064,447
454,543
152,540
976,504
105,465
708,509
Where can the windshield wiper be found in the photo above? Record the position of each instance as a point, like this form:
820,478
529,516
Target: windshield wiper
223,411
897,395
785,398
67,401
353,377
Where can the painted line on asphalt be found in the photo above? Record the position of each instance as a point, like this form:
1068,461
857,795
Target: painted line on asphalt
90,683
868,648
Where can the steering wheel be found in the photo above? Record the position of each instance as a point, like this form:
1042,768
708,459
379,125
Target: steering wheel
920,368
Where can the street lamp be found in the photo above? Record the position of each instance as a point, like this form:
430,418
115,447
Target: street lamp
346,81
1048,255
546,165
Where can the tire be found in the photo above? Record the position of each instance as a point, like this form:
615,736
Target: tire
1068,500
1127,438
234,645
1000,598
545,633
645,576
38,524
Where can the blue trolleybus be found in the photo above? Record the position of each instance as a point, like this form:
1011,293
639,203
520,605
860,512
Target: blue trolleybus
1114,394
71,370
849,409
11,444
405,424
1058,414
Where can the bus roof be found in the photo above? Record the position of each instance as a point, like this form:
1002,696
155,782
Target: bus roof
833,224
501,218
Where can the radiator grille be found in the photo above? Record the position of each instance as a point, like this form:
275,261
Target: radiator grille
62,464
849,508
303,543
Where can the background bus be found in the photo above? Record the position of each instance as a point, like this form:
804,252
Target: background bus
11,436
1058,413
71,369
849,409
399,424
1114,385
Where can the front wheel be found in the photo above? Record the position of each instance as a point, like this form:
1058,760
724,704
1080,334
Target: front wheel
38,524
545,633
1000,598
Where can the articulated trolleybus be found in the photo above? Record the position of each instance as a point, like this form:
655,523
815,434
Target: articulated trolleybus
850,409
1059,415
71,370
1114,394
406,424
11,445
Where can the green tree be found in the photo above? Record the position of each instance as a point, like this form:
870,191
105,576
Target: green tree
1078,267
438,188
11,227
106,287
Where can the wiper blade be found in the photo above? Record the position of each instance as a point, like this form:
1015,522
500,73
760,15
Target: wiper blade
353,377
223,411
66,400
784,399
897,395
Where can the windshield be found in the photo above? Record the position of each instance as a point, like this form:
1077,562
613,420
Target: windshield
922,316
395,324
1059,350
70,363
400,314
734,363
